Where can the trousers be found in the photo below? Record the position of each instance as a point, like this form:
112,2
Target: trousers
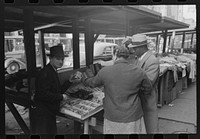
136,127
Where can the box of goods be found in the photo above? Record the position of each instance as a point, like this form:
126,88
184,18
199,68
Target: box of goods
82,109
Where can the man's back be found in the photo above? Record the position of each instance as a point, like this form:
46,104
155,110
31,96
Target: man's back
122,83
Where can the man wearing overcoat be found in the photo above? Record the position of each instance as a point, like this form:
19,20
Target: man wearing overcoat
150,64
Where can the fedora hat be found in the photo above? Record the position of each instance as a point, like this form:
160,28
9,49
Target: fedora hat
138,40
57,51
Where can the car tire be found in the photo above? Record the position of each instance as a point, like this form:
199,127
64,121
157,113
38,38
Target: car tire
13,67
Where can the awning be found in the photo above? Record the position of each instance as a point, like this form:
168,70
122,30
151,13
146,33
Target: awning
104,19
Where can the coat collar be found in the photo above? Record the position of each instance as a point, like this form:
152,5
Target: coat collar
147,55
51,67
121,61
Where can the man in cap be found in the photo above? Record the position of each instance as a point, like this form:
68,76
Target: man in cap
49,93
122,81
150,64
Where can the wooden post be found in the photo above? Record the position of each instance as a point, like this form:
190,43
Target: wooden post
127,27
172,41
29,43
76,53
2,97
42,48
183,41
127,23
168,44
18,118
165,40
157,39
191,43
88,43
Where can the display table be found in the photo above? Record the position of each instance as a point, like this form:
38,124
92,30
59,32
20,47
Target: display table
82,110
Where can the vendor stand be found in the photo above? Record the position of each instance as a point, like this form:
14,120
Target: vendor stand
68,20
175,72
82,110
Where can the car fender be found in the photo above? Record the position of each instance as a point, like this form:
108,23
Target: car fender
11,59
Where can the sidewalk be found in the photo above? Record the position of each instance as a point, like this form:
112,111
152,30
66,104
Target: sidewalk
180,115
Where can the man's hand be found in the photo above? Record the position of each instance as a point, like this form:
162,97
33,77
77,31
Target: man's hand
89,73
65,97
76,78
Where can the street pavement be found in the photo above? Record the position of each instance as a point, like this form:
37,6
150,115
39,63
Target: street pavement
180,116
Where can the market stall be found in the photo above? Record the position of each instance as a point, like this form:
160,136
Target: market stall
92,22
82,109
175,72
84,101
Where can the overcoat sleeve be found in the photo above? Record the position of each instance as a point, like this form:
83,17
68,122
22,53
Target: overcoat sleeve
152,70
65,86
45,91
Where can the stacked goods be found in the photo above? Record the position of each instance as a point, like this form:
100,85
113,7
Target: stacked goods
83,109
82,94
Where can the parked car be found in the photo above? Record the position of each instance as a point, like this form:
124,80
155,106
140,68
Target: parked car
102,54
16,60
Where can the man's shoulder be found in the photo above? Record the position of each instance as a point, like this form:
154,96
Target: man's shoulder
152,58
45,71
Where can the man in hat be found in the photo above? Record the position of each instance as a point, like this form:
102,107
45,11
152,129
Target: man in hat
49,93
122,81
150,64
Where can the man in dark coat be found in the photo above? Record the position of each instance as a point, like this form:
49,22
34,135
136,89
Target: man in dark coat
150,64
49,94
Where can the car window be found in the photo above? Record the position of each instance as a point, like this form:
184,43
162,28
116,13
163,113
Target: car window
107,50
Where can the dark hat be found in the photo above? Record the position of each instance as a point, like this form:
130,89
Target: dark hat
57,51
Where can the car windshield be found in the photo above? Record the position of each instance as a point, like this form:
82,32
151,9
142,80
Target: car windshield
102,54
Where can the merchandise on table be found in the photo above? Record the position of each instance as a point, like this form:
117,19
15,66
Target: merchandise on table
80,108
82,94
192,65
191,56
